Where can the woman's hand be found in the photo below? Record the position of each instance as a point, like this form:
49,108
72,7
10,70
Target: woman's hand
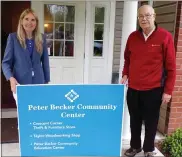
13,84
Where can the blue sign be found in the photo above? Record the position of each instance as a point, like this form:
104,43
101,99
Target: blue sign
70,120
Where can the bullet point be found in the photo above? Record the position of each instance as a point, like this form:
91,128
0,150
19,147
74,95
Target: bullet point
30,135
31,144
30,123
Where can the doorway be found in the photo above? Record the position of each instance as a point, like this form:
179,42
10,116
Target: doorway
78,51
9,22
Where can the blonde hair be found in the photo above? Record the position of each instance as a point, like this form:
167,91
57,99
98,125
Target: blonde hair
36,33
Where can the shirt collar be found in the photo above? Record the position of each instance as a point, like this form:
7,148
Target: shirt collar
146,36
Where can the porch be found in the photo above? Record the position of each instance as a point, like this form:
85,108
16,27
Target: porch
118,28
12,149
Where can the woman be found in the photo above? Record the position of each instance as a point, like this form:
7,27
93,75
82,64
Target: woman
26,58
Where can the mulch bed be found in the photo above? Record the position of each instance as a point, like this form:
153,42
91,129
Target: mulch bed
9,131
158,145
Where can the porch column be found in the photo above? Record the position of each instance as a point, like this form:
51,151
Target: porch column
128,26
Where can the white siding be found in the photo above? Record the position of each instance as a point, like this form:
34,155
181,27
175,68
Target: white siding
117,36
166,14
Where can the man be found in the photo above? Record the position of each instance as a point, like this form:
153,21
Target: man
148,54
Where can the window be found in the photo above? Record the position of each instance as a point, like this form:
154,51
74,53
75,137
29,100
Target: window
98,31
59,24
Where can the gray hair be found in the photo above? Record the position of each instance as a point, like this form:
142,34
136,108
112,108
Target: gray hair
146,5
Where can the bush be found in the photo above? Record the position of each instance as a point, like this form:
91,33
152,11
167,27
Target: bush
172,144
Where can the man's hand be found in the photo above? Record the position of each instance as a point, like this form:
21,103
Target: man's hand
13,84
166,98
124,79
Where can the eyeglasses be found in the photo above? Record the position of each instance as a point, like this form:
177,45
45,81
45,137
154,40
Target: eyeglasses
148,16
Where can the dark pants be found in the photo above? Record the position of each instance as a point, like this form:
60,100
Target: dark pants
144,106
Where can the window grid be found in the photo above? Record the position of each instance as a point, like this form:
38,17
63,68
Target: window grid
102,24
54,22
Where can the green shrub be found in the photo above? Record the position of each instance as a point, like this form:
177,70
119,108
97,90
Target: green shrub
172,144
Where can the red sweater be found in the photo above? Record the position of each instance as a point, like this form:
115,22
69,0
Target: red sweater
145,61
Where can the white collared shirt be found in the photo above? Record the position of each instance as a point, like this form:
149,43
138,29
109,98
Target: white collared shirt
146,36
